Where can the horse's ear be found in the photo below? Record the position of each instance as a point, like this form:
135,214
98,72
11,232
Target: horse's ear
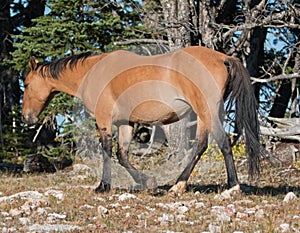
33,63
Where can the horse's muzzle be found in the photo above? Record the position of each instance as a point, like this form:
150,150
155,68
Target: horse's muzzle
29,119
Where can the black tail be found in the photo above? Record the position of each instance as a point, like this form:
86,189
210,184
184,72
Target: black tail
241,96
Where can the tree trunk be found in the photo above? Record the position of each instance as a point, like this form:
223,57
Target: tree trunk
10,92
255,57
177,25
282,99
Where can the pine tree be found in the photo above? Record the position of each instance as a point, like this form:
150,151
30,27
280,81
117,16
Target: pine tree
75,26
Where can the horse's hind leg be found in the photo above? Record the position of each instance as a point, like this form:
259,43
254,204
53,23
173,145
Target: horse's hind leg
199,148
125,136
224,144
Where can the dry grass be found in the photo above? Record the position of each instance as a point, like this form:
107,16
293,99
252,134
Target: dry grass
259,208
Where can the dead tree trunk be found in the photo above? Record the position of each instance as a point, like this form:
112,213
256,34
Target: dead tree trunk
177,16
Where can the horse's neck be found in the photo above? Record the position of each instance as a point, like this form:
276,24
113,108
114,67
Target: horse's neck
71,79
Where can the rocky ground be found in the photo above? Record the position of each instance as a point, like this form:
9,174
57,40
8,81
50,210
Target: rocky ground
65,202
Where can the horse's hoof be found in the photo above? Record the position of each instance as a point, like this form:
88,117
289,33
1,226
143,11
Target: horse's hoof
103,187
178,189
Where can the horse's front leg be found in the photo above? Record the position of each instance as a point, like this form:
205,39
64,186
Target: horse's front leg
106,141
125,136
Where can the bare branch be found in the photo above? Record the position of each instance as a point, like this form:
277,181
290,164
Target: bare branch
275,78
141,41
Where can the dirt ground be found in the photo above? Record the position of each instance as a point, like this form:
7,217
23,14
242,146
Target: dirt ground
66,202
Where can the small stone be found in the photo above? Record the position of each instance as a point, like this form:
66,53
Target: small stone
182,209
53,228
284,227
197,193
102,210
199,205
214,229
15,212
229,193
24,221
125,207
260,213
55,193
126,196
9,230
222,210
5,214
86,206
289,197
223,218
57,216
115,205
241,215
40,211
166,218
250,211
180,217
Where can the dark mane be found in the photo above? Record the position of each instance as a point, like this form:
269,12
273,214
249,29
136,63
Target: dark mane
54,68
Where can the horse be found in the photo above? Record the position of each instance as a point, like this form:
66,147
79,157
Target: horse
122,88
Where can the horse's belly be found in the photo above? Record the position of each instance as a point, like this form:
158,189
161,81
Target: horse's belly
153,112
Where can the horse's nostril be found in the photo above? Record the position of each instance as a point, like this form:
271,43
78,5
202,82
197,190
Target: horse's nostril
29,118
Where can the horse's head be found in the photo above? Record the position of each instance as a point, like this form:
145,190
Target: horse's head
37,93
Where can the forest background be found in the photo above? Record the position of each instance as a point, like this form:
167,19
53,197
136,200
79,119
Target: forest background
263,34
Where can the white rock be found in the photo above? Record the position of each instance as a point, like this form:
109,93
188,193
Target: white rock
214,229
5,214
289,197
15,212
53,228
86,206
260,213
223,218
229,193
222,210
24,221
199,205
197,193
99,199
57,216
83,169
27,195
55,193
182,209
126,196
102,210
125,207
40,211
166,218
9,230
115,205
284,227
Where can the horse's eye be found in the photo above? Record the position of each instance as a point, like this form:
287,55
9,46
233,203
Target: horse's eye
26,85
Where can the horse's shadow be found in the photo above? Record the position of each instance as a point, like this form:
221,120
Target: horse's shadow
245,188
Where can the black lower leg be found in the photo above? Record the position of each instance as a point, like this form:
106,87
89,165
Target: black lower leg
105,183
229,162
138,176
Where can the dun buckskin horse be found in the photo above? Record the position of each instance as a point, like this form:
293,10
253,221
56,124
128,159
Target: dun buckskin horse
123,88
